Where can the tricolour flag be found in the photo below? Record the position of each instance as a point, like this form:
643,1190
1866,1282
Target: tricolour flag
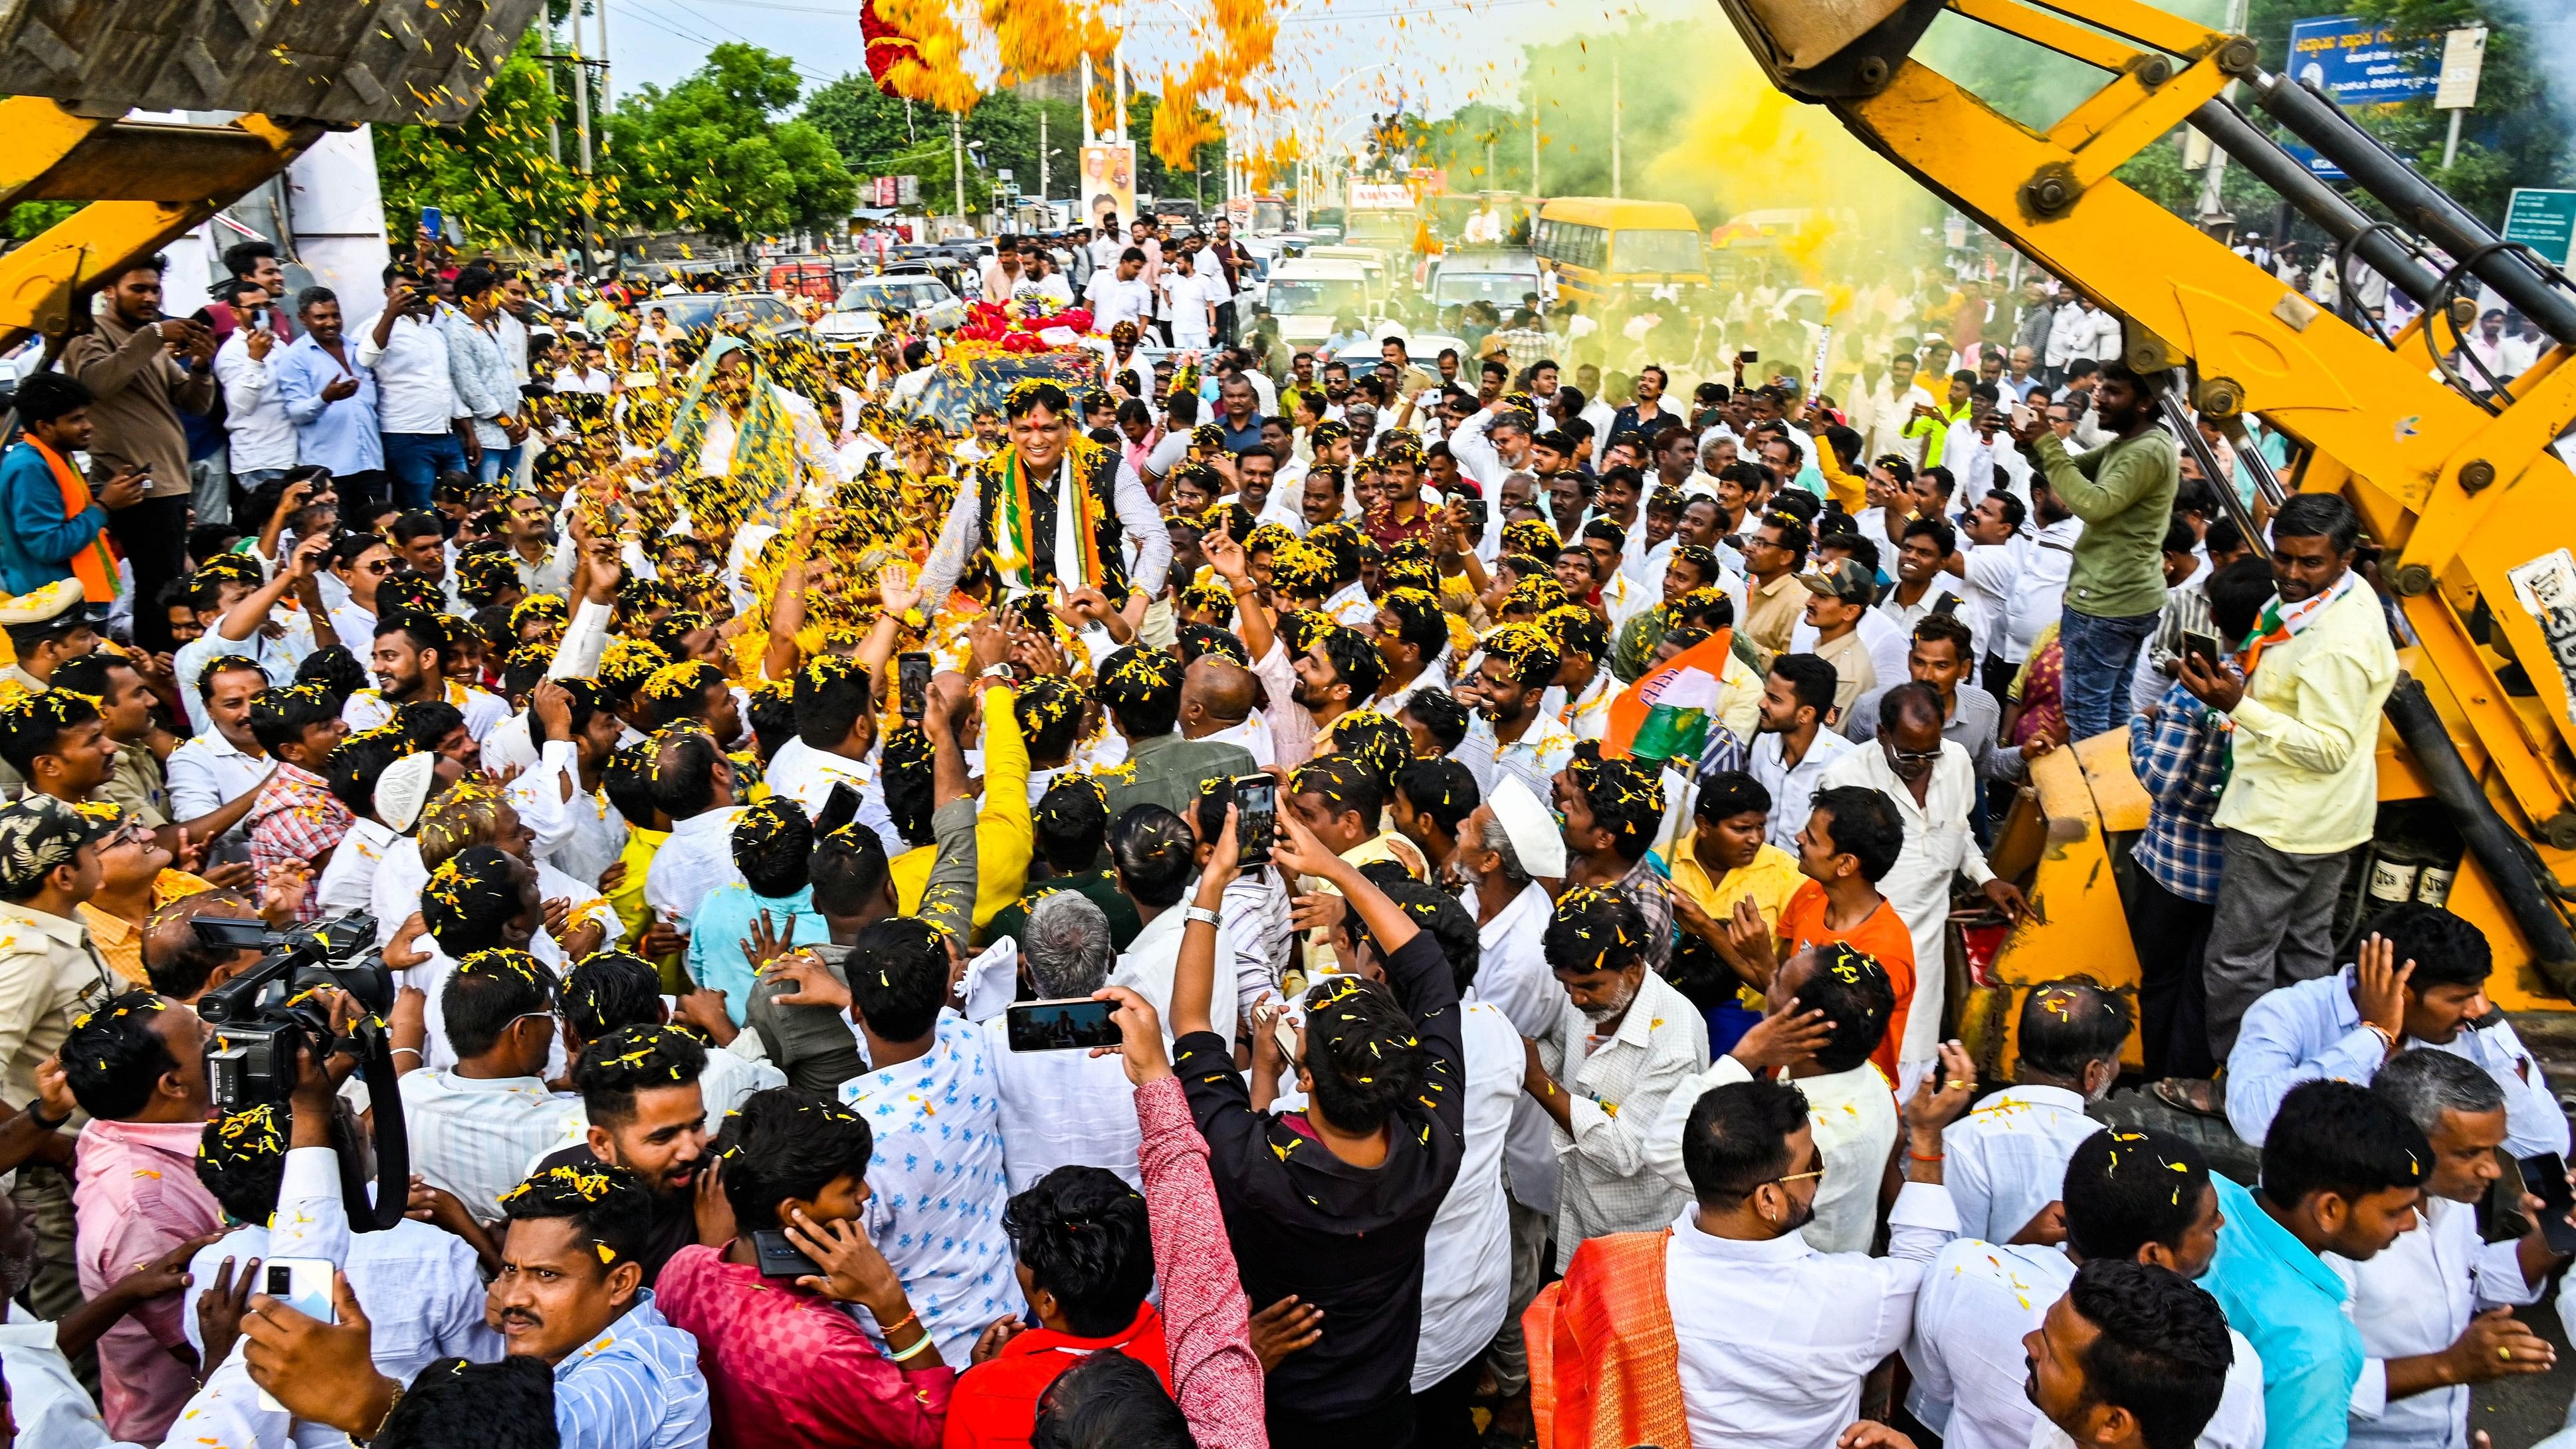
1665,714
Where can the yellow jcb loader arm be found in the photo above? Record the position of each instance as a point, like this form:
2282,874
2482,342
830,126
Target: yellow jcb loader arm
285,72
2452,476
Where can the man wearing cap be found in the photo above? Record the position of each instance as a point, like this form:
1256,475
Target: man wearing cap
49,973
47,628
1839,591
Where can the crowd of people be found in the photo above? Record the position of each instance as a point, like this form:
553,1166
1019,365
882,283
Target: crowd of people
1515,834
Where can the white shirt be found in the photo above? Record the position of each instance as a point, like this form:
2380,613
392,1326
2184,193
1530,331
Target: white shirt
1114,300
477,1137
1776,1337
1792,787
574,829
1938,845
938,1184
1986,590
2039,597
1189,299
422,1288
415,392
1147,965
1061,1109
571,380
806,775
277,658
697,858
1853,1116
368,708
1466,1258
348,882
1513,975
209,772
1978,1301
2417,1296
1903,617
258,432
2007,1159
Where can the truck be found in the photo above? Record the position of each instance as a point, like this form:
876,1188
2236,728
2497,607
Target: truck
2457,484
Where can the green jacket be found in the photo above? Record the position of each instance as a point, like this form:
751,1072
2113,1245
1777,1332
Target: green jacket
2124,492
1166,770
1099,886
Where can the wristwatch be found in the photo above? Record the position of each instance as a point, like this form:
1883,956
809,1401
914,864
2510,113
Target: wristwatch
1201,913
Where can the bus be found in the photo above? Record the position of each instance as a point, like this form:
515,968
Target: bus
1601,248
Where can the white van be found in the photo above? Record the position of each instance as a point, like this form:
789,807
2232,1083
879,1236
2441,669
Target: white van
1306,295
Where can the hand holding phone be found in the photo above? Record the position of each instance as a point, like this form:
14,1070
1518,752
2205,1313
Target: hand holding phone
1072,1023
2024,418
1256,819
2203,647
303,1284
2544,1176
912,685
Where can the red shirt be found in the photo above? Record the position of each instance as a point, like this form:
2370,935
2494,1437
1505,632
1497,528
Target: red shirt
995,1404
1883,936
787,1369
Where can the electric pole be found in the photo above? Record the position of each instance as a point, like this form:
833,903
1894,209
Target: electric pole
1615,188
957,159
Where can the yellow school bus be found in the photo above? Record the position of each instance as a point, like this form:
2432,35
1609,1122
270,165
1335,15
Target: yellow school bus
1601,248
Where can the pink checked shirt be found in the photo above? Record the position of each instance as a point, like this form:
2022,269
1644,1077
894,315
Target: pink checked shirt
296,818
136,1194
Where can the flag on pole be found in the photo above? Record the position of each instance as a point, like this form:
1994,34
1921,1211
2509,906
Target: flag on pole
1665,714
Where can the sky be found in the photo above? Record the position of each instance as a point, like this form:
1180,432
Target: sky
1349,56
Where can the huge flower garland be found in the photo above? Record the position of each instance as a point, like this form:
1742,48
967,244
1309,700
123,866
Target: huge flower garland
1010,328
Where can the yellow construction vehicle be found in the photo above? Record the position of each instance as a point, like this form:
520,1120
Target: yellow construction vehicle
2453,476
240,90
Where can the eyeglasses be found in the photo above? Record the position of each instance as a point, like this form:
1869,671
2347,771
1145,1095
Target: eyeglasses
1913,757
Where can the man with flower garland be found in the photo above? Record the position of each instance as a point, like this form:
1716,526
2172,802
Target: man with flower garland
1052,511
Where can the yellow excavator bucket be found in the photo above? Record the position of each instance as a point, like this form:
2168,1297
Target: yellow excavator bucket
286,71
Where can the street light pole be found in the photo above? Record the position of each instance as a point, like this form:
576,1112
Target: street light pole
957,159
1615,188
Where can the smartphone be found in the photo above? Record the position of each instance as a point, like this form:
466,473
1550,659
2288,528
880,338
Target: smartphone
303,1284
1749,355
1256,818
2544,1176
912,685
2023,417
781,1258
1062,1024
2202,646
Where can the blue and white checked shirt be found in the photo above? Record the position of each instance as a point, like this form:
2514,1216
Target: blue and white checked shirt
2312,1030
938,1184
2180,756
637,1386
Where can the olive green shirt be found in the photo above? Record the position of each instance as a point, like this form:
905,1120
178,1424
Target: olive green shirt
2124,492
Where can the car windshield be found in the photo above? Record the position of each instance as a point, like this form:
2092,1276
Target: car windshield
878,295
1457,287
1378,226
1656,251
1316,296
957,389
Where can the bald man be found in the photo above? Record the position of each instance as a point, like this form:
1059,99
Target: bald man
1217,701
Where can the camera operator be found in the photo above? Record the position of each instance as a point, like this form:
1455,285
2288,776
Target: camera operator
137,1065
270,1164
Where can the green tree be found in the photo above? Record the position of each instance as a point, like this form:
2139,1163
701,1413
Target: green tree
495,170
711,153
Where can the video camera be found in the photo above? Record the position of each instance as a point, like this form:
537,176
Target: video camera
261,1021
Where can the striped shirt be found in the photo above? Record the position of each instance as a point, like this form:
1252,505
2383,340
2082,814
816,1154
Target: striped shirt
477,1136
637,1386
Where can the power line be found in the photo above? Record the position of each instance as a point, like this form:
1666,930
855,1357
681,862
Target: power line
1158,22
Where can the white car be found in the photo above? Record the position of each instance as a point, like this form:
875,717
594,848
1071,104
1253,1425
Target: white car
859,313
1307,295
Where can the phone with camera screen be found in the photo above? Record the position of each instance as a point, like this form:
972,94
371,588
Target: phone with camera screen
303,1284
912,685
780,1257
2544,1176
232,933
1070,1023
1256,818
